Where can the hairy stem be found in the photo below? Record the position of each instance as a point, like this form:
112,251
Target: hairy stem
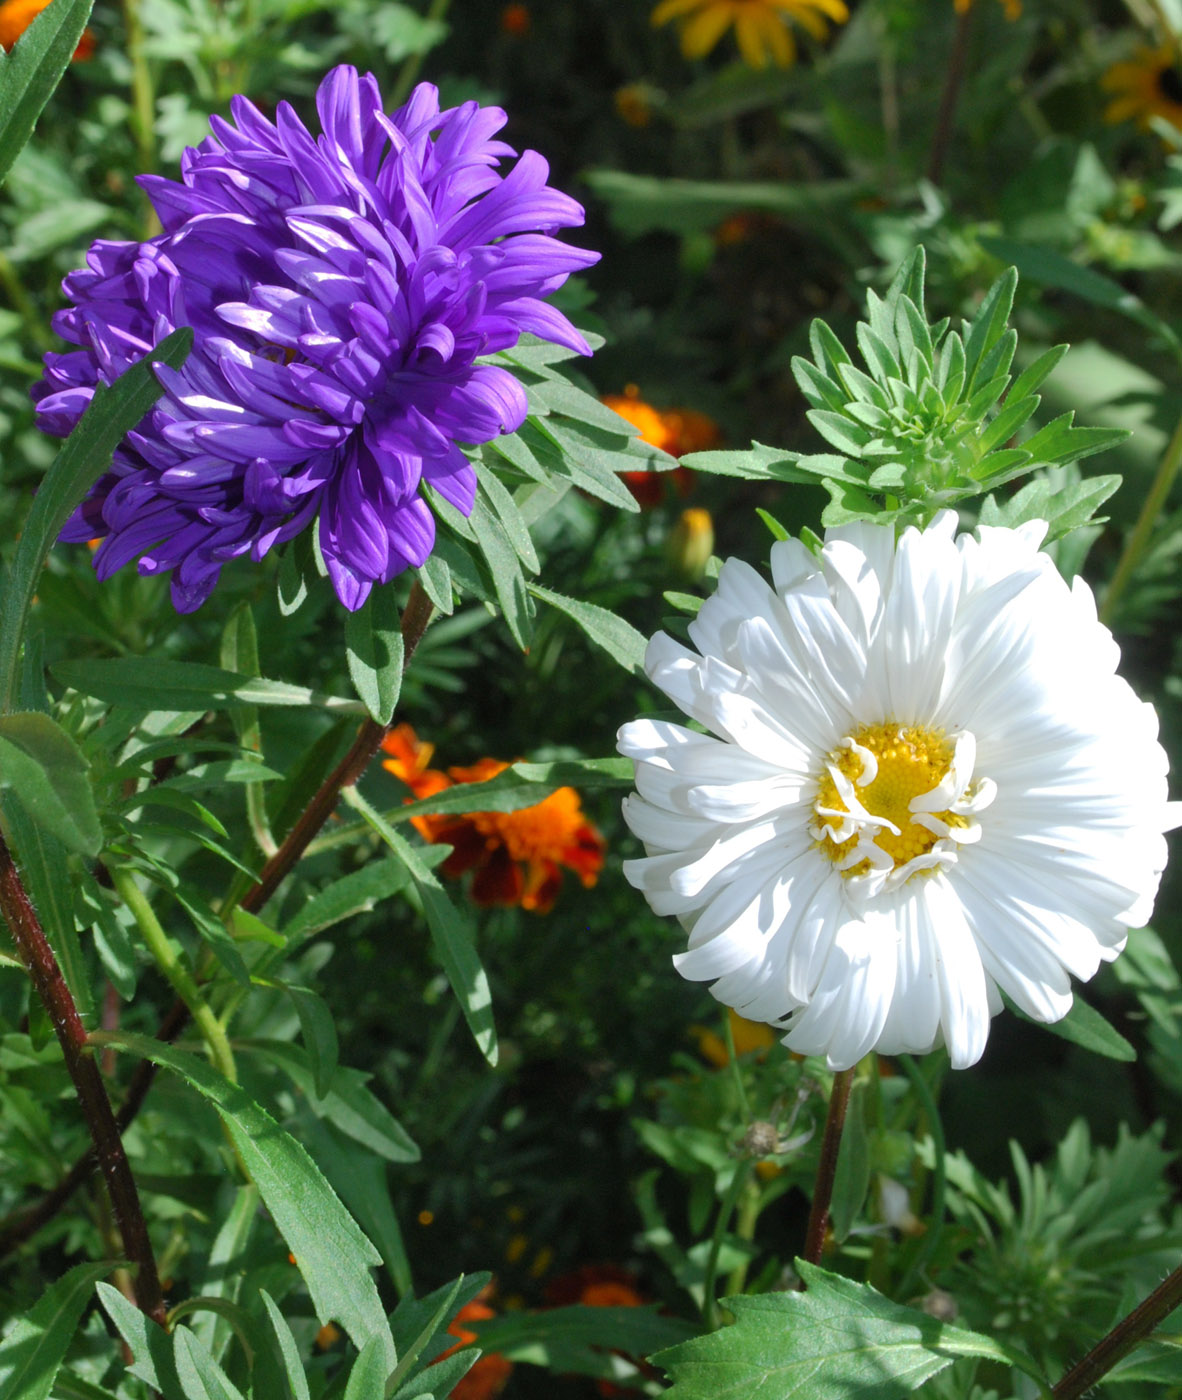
1129,1332
180,978
42,966
839,1098
23,1224
1138,541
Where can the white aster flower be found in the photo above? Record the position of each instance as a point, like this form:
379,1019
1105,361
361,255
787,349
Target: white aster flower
923,782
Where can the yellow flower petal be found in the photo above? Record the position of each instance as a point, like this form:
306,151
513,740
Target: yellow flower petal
705,29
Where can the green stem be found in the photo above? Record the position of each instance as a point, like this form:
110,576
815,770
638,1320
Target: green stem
1129,1332
749,1208
940,1181
728,1036
1138,542
180,978
725,1211
38,957
415,617
143,101
21,303
839,1099
436,10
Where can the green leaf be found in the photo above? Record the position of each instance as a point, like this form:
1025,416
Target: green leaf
521,785
637,1331
988,327
213,932
347,1103
451,932
502,502
618,638
639,204
150,683
319,1031
504,567
223,1275
852,1178
436,1322
83,458
367,1379
839,1339
280,1361
200,1376
1084,1026
31,72
48,775
330,1251
32,1352
360,1178
355,893
48,878
112,940
1051,269
150,1345
374,650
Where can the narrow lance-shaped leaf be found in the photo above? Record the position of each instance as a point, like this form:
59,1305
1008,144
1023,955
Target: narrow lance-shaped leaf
329,1249
111,414
31,72
32,1353
374,650
47,773
618,638
151,683
451,932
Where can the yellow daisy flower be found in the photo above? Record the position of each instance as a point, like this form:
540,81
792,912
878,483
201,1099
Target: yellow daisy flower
763,28
1147,85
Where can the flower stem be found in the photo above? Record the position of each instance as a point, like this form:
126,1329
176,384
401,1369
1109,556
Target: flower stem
1129,1332
179,977
725,1211
143,101
38,958
839,1098
953,74
1138,541
732,1059
415,618
22,1225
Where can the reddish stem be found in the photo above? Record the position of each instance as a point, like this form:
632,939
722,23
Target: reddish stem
42,966
839,1098
21,1225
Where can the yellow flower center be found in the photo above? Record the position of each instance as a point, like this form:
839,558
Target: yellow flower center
866,795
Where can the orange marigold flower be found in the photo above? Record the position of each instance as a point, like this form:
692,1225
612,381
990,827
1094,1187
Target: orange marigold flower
516,858
487,1377
17,15
600,1286
649,422
677,431
516,20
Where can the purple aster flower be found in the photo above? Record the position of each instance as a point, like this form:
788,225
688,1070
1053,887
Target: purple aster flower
341,289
